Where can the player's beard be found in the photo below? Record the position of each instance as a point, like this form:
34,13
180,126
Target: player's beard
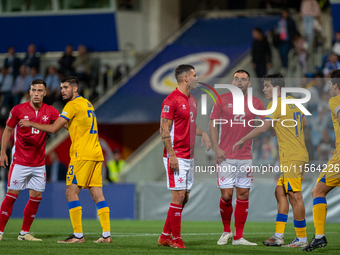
68,97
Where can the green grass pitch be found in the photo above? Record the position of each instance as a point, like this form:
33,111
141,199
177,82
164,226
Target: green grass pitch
131,237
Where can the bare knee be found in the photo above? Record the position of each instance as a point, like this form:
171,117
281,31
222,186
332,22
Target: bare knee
12,191
314,193
227,194
179,197
36,194
97,194
242,194
67,192
295,197
72,193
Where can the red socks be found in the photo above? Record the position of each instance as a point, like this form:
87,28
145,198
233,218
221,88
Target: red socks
175,216
6,209
167,226
241,213
30,212
226,210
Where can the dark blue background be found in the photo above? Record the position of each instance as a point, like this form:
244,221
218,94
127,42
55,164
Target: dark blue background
54,32
120,198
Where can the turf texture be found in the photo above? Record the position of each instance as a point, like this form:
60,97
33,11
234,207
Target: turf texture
140,237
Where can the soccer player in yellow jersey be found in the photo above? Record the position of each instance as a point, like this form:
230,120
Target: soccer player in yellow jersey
293,157
85,168
330,175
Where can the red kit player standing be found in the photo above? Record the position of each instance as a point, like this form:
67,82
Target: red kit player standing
178,130
27,169
235,168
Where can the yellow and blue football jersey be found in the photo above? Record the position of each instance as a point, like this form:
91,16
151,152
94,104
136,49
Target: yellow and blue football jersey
82,126
334,104
289,132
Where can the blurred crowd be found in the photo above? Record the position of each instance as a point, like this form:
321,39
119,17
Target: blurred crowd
319,135
17,74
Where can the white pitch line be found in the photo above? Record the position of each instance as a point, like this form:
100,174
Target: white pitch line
157,234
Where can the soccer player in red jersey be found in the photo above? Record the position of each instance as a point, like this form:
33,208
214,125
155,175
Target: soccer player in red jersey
178,129
234,169
27,169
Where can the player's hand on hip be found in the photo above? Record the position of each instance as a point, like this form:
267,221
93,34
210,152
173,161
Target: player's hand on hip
220,155
24,123
173,164
240,144
206,140
4,161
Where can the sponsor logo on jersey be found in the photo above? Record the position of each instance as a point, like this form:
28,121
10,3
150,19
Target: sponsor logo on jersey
166,108
26,117
230,105
207,65
64,113
184,107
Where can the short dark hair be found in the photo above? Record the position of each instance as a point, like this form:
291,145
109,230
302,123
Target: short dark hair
38,81
242,71
276,79
72,80
335,77
182,69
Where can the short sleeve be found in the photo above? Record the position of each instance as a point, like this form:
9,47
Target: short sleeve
334,105
68,112
273,115
168,109
260,106
13,119
216,111
54,114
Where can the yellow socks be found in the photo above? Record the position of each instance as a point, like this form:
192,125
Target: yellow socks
75,210
319,215
300,229
104,216
280,225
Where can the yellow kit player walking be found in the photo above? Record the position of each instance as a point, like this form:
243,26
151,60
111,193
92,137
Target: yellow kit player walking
293,157
85,168
330,175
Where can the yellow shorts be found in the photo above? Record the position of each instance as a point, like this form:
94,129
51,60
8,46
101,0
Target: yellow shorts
331,173
85,173
292,175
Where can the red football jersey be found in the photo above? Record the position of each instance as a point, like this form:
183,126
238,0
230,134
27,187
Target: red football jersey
237,126
29,143
182,110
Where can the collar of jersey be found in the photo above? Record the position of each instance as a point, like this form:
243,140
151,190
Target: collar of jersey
182,94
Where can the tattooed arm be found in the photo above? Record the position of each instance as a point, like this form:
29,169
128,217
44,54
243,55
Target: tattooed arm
165,133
